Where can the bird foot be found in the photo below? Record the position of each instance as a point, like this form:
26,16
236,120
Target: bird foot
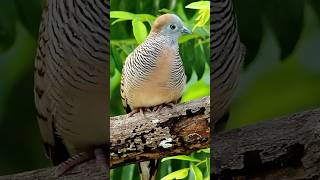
158,108
77,159
137,110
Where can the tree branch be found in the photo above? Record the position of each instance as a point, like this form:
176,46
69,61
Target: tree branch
284,148
180,130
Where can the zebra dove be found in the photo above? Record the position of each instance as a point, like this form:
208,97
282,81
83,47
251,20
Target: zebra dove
71,80
153,74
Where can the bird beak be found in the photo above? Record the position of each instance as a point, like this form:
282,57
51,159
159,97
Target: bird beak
186,31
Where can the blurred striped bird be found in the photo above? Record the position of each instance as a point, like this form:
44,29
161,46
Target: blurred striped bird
227,55
71,80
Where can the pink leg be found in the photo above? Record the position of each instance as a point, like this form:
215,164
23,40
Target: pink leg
161,106
72,162
100,157
135,111
80,158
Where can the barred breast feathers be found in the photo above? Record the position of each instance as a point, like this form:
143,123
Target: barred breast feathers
156,64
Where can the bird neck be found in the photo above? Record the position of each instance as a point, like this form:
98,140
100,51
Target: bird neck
164,40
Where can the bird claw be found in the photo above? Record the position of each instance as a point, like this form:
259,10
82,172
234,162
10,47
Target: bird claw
135,111
158,108
77,159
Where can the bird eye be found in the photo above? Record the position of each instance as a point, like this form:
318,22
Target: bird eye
172,26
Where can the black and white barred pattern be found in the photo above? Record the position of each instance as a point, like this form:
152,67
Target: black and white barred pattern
71,72
142,62
227,54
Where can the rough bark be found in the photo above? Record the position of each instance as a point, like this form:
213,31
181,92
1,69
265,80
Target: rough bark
284,148
178,130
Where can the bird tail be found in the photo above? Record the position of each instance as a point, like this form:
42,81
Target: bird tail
148,169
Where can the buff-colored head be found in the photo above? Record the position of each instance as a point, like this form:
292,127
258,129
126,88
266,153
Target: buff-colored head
169,25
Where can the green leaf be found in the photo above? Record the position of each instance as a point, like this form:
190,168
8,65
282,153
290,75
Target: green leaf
208,166
180,11
146,17
139,30
197,172
207,150
127,49
196,91
286,19
202,18
200,61
164,10
180,174
30,15
315,4
111,66
187,37
7,24
118,20
248,24
116,57
182,157
122,15
187,57
199,5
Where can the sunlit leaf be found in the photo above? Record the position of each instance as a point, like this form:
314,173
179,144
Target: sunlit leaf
202,19
139,31
207,150
203,13
182,157
197,172
146,17
164,10
199,5
122,15
118,20
195,91
180,174
208,166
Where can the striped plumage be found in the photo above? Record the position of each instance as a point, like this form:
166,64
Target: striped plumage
153,74
71,76
227,54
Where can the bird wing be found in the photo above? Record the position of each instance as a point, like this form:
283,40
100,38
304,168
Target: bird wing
70,76
55,150
122,90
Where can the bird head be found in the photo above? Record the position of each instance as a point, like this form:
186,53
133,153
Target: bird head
169,25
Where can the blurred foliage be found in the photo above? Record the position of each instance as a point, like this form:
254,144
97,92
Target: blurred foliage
195,62
285,18
272,31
